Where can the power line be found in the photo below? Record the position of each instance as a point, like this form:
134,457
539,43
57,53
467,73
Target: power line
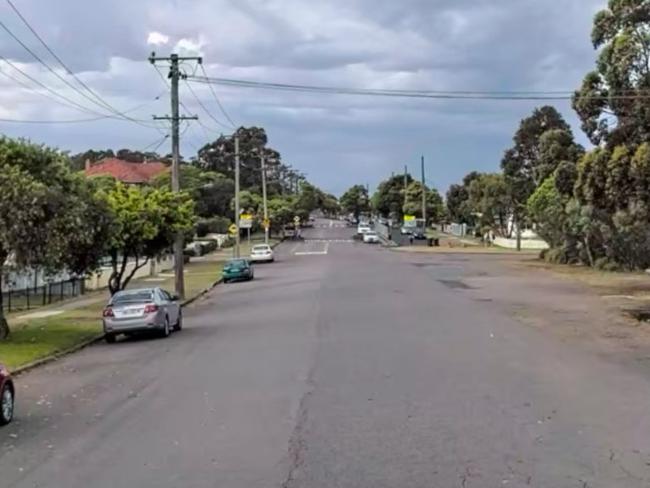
198,100
223,111
50,90
97,100
448,95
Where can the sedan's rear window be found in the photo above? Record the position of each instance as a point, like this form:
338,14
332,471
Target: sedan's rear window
132,297
261,248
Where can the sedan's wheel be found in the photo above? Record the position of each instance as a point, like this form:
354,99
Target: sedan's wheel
179,324
165,331
109,338
6,405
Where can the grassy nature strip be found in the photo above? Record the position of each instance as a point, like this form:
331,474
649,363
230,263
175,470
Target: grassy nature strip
39,338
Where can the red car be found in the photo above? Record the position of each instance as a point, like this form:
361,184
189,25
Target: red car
7,392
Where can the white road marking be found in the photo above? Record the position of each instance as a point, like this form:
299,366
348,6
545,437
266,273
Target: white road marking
310,253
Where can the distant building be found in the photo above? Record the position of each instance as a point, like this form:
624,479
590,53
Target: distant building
125,171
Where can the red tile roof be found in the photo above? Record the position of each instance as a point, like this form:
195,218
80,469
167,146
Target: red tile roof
126,171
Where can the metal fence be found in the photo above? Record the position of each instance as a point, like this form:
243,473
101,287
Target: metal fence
38,296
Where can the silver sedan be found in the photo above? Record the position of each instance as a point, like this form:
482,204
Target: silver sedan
142,310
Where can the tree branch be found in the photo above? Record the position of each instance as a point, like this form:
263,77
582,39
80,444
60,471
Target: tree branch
137,266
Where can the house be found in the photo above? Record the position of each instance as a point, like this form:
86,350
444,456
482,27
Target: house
125,171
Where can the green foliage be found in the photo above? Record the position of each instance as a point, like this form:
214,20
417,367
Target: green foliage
219,156
211,192
622,34
146,221
413,205
356,201
489,200
388,200
48,217
213,225
546,210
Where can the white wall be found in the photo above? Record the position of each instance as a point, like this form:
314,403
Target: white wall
525,243
100,279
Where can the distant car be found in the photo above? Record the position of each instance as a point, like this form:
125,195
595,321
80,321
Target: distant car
370,237
406,231
7,396
363,228
419,234
237,269
142,310
262,253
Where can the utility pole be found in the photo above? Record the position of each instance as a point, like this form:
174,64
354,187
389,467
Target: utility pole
174,75
424,196
405,183
266,210
237,236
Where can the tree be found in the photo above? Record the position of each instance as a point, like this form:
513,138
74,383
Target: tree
212,192
540,139
546,208
413,205
330,205
309,198
489,200
219,156
388,200
457,199
356,201
248,202
78,161
146,221
611,102
48,218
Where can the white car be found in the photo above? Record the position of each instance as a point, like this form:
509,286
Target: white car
370,237
262,253
363,229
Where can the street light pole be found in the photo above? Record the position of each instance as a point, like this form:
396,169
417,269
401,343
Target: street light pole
237,195
266,210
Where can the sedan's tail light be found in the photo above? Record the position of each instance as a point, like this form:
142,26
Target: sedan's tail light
151,307
108,312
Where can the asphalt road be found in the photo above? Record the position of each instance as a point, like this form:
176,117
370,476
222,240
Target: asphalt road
340,365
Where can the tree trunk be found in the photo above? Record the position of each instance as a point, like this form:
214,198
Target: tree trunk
4,325
590,256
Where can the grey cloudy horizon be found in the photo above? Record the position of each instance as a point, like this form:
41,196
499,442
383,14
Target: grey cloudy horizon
336,140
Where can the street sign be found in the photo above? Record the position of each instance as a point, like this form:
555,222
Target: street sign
266,223
409,218
296,219
245,221
232,229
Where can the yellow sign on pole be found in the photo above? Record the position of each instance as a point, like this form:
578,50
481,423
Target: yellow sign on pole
232,229
266,223
245,221
409,218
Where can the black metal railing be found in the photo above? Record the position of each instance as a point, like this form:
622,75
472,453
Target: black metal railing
38,296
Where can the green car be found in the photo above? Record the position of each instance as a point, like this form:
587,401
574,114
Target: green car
237,269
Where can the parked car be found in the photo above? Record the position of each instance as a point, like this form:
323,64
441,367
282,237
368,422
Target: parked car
363,228
262,253
142,310
237,269
406,231
7,396
419,234
371,237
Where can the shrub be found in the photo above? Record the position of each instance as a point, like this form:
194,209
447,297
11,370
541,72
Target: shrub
214,225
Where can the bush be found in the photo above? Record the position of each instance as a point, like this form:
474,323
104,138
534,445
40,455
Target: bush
214,225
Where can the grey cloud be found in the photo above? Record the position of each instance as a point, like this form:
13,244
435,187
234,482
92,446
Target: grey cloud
424,44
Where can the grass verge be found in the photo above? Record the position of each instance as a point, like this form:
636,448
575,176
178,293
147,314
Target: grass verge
38,338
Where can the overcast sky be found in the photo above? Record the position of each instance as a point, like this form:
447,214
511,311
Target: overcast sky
336,140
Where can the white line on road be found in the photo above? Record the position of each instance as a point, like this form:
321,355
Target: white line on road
314,253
